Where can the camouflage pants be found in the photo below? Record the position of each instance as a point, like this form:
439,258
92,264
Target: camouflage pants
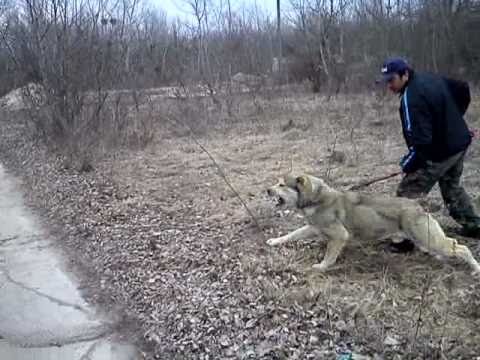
447,173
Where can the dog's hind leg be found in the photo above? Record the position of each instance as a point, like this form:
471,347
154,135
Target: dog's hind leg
464,253
429,236
337,239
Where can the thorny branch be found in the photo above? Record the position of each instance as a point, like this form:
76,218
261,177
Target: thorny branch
219,169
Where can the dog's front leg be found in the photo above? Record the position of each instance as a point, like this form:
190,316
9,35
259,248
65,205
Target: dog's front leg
302,233
337,237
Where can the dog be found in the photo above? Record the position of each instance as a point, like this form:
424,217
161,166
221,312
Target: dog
341,216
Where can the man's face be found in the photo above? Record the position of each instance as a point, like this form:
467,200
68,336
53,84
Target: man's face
397,82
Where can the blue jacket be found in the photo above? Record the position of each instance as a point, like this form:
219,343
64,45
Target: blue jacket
432,122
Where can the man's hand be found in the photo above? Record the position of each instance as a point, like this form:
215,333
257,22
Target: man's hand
406,161
410,162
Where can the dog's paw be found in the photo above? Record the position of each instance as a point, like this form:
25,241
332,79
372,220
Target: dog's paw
476,273
320,267
274,241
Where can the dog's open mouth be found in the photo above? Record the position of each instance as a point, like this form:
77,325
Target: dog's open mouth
280,201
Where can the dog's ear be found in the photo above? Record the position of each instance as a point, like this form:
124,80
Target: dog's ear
302,180
303,183
289,180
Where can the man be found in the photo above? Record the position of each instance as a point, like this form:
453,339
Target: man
437,137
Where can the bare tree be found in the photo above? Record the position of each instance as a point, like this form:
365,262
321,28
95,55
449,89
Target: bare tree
102,44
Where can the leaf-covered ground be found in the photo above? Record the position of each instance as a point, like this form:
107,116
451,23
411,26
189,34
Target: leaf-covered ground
159,237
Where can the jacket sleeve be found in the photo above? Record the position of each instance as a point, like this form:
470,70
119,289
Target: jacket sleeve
419,126
421,123
419,119
412,161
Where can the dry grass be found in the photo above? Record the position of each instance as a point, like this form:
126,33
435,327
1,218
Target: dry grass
383,289
217,289
373,296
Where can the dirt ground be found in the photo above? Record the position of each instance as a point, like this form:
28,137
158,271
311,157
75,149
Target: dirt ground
161,238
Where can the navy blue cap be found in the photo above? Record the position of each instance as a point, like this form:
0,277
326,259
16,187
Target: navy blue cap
393,66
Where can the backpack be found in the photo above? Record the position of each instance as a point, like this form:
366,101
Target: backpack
460,92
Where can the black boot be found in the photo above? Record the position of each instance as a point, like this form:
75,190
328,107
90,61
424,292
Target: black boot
405,246
470,231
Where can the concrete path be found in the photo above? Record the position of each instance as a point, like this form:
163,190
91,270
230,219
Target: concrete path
42,314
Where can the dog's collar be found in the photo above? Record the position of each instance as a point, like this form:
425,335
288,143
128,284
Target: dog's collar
302,204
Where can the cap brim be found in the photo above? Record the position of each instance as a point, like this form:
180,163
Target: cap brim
385,78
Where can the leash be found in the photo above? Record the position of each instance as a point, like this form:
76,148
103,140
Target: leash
475,133
370,182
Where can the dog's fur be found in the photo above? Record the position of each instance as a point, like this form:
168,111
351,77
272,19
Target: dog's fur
340,216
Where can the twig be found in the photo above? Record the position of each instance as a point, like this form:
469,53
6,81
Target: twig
419,321
7,239
329,165
219,169
329,318
428,283
444,328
